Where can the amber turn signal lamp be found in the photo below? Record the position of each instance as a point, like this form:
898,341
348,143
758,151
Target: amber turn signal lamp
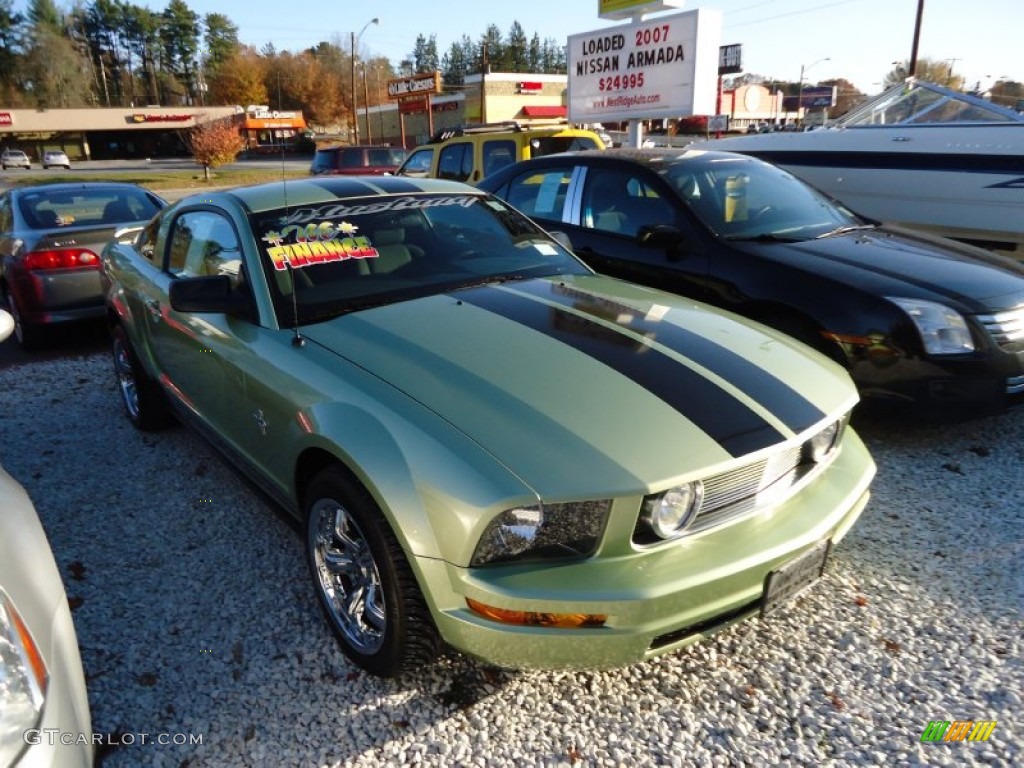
530,619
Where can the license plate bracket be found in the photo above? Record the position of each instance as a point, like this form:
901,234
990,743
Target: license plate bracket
793,577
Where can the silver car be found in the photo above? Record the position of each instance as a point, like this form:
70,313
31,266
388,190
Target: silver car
56,158
51,236
14,158
42,684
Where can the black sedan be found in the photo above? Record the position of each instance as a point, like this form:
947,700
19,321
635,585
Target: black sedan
51,236
913,317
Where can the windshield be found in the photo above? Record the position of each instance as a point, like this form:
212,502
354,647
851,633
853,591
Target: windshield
551,145
330,258
741,198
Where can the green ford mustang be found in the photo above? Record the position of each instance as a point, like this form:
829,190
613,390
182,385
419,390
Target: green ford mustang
487,444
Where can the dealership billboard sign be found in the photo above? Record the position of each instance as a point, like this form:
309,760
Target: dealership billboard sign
659,68
624,9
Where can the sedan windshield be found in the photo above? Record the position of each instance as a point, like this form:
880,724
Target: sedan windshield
330,258
740,198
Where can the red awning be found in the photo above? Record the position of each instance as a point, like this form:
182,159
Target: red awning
542,111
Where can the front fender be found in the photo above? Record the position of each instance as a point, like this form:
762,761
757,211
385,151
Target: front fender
436,487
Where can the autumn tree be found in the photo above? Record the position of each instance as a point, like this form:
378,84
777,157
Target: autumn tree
936,71
214,143
240,79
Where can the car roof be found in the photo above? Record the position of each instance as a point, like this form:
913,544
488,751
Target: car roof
652,158
71,186
358,147
273,195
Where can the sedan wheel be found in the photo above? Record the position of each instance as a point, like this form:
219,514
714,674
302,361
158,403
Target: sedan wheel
363,580
143,403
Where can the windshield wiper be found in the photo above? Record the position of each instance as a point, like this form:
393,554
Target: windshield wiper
843,230
490,279
764,237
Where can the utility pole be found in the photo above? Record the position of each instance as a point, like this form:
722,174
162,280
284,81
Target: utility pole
912,67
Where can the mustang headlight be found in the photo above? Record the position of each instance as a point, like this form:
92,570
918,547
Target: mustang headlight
822,444
667,514
23,681
943,330
570,529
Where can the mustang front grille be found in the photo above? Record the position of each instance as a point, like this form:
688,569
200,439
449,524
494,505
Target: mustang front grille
743,490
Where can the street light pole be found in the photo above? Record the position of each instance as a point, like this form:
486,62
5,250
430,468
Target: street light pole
800,91
355,115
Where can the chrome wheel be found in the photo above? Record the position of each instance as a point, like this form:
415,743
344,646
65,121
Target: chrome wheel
347,576
126,378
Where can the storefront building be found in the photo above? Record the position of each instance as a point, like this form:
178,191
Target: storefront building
139,132
267,131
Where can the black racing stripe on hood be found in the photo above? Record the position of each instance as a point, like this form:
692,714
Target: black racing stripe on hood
731,423
788,405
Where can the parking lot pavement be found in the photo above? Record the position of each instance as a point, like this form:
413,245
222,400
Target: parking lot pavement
197,621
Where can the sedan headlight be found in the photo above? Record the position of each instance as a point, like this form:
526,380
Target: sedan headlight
23,680
943,330
571,529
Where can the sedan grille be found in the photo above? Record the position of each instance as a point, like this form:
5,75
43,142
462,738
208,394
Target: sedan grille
1004,327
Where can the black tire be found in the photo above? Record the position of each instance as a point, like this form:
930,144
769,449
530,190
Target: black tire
143,402
29,336
370,596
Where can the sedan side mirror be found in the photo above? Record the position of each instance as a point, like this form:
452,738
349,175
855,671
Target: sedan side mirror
662,236
562,239
212,293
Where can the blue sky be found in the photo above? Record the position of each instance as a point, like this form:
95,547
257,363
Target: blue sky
861,38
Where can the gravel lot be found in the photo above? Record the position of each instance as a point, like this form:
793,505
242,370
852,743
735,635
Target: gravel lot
196,619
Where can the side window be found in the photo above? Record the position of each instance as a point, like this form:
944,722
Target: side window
418,163
540,195
456,161
352,158
497,154
145,243
204,243
620,202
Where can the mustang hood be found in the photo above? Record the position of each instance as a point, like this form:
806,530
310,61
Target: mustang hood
894,262
570,380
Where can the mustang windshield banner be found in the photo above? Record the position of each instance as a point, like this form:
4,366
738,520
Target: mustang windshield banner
663,67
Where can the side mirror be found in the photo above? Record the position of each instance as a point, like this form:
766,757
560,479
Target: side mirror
661,236
562,239
212,293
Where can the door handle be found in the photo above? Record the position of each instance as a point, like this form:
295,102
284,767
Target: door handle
153,307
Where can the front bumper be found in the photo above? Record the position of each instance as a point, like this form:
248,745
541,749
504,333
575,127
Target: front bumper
656,600
994,378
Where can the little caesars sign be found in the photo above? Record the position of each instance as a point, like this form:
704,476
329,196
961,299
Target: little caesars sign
664,67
